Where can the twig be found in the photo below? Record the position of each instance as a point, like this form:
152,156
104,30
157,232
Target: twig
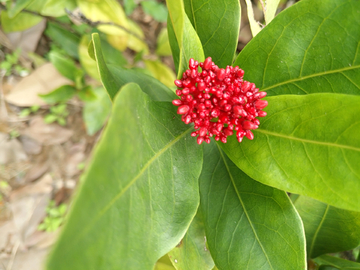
13,254
82,18
3,111
263,6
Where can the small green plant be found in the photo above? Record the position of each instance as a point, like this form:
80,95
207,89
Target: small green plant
55,217
28,111
58,114
11,65
14,134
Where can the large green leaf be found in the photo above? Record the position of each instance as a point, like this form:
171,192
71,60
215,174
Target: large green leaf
307,144
114,77
139,193
187,40
304,52
217,23
191,253
174,46
328,229
248,225
340,264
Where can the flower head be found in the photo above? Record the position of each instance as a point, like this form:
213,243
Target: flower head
219,102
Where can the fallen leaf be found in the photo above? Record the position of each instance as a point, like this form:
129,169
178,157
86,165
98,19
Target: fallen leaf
46,134
27,40
28,205
42,81
42,239
42,186
30,146
7,234
75,156
29,260
37,170
10,150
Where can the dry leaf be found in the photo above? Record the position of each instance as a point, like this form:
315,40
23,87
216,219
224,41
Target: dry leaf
29,260
27,40
42,81
30,146
46,134
10,150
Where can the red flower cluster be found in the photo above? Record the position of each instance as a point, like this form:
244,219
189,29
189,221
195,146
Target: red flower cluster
218,101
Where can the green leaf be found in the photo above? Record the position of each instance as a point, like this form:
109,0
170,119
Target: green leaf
20,22
64,65
337,262
248,225
129,6
97,111
113,77
187,39
161,72
86,61
217,22
56,8
192,253
68,41
105,11
112,55
173,45
301,52
17,7
270,9
140,191
254,26
308,145
50,118
156,10
328,229
163,45
63,93
135,43
164,263
87,94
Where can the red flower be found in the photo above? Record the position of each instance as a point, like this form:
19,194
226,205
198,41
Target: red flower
219,102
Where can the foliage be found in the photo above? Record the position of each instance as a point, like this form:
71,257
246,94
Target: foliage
57,114
28,111
11,65
55,217
150,190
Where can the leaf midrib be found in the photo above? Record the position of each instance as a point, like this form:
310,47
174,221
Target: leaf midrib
341,146
318,229
310,76
131,182
243,206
